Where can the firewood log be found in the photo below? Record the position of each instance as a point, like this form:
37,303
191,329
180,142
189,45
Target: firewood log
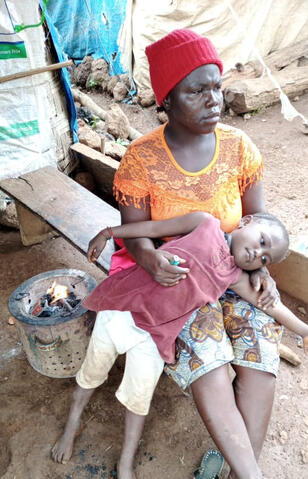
286,353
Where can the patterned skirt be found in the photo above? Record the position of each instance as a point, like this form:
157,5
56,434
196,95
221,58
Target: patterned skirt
229,331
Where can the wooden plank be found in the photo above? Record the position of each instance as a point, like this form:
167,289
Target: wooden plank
100,166
291,275
68,207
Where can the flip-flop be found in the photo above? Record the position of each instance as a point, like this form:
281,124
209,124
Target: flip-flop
211,465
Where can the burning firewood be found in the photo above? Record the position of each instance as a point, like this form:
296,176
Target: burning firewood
56,301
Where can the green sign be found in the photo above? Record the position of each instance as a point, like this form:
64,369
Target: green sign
18,130
12,50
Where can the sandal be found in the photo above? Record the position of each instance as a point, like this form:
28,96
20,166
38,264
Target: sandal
211,465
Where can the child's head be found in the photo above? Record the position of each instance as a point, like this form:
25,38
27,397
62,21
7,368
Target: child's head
261,239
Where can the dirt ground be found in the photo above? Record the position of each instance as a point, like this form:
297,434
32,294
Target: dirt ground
34,407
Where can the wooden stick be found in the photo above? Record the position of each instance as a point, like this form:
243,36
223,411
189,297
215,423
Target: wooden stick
85,100
35,71
286,353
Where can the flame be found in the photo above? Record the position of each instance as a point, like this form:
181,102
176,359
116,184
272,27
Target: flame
57,291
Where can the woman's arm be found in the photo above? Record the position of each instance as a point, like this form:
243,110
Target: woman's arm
253,199
280,312
261,281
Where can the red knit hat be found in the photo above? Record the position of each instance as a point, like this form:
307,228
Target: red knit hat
175,56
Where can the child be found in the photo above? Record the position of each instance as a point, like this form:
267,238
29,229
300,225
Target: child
135,305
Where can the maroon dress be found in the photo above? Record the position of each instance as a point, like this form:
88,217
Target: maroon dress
163,311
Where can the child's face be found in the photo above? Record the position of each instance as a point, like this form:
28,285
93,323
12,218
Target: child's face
255,244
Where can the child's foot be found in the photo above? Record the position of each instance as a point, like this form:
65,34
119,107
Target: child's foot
63,449
125,472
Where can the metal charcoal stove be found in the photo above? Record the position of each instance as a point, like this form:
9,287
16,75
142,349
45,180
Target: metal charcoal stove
56,343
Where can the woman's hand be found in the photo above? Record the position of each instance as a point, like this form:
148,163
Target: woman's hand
96,246
157,264
262,281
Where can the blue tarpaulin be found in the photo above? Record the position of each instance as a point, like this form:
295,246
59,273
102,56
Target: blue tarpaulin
89,27
85,27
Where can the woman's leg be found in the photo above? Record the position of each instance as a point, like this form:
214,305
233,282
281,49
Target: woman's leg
255,337
254,395
214,396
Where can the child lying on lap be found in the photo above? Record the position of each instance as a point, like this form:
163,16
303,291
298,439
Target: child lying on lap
135,309
216,261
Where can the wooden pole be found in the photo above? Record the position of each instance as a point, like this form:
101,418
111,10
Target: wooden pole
85,100
36,71
286,353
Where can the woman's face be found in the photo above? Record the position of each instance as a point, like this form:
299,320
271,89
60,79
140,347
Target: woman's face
196,101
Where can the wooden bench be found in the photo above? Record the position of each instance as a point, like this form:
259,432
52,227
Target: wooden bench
78,214
72,210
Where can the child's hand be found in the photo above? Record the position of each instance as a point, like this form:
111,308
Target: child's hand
305,345
96,246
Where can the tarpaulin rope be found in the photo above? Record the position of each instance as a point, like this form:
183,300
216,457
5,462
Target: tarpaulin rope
19,28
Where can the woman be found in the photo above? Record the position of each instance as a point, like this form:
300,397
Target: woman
194,164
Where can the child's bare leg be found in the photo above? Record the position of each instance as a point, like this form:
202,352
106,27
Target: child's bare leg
214,396
62,450
134,424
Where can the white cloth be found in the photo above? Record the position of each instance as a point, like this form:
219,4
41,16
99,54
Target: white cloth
116,333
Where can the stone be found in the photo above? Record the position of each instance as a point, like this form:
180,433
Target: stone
82,71
8,215
124,78
304,454
115,150
88,137
162,116
117,123
146,97
99,76
283,436
120,91
113,80
99,128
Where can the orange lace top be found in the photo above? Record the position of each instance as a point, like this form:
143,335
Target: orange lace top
148,171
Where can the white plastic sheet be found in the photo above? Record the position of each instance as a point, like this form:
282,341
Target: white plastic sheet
29,105
267,25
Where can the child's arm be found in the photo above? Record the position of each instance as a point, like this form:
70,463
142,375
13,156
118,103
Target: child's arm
146,229
280,312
